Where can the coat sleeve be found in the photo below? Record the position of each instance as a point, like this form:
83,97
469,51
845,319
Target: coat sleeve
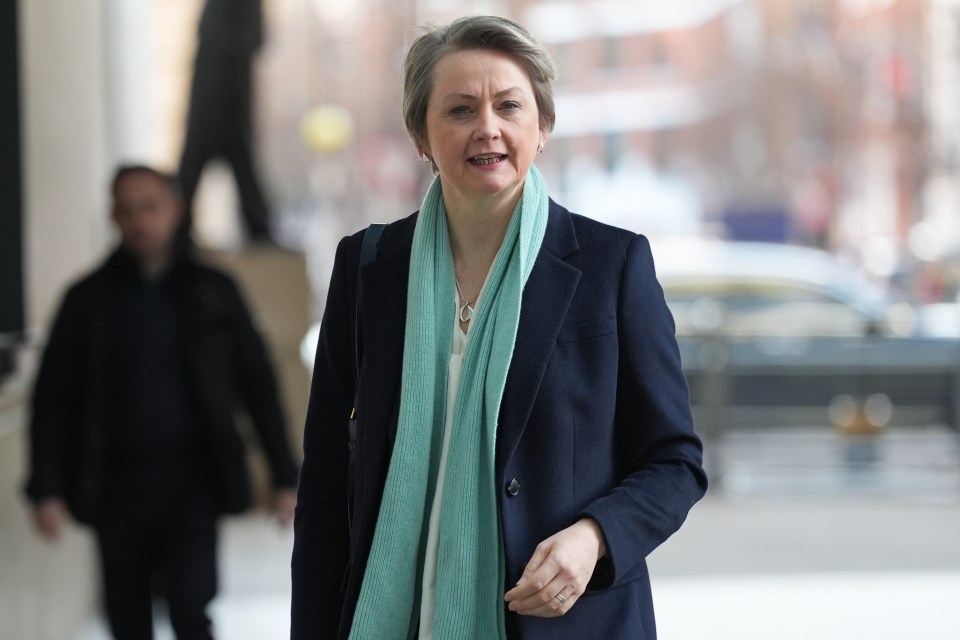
321,532
654,431
56,403
260,392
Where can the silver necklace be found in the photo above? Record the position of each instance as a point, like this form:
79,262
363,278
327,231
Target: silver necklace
466,309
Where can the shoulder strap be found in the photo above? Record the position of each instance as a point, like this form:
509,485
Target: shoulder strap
368,253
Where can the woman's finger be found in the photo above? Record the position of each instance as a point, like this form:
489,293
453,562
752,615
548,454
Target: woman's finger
539,597
557,574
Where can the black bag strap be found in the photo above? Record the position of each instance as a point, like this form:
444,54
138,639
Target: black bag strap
368,253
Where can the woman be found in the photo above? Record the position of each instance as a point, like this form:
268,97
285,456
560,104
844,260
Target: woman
525,438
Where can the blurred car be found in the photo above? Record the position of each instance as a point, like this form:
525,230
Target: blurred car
774,335
940,318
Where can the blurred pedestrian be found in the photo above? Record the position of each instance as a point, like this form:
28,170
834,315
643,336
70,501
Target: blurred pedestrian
132,427
220,118
523,429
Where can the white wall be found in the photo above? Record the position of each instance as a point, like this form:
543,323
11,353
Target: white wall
48,591
65,165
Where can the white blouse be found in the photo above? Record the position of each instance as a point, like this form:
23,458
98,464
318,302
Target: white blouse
428,593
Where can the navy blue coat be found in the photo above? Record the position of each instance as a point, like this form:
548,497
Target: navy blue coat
595,421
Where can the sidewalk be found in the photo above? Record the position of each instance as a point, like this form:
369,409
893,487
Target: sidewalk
254,598
791,550
823,606
746,568
820,565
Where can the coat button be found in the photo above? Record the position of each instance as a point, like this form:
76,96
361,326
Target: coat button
514,487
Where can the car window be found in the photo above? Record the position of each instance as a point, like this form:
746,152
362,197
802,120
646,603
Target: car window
763,310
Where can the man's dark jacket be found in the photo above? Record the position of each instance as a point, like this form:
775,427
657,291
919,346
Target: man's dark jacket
226,364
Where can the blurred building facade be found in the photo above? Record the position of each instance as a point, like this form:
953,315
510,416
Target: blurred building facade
798,122
813,122
821,122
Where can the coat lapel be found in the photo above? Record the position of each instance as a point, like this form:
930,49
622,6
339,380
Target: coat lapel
546,299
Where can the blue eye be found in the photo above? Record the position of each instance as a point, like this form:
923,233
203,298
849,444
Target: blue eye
460,110
510,104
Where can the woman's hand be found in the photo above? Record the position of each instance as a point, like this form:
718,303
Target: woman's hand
559,571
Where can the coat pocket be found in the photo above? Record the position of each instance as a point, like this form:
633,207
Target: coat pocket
587,330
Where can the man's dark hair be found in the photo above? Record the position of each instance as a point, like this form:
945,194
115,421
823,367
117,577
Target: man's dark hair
129,169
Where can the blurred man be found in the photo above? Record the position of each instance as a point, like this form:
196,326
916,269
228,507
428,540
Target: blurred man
132,428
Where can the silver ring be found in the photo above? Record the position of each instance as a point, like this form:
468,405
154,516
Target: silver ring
560,598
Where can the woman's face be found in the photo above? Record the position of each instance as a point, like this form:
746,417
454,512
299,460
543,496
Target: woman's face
483,126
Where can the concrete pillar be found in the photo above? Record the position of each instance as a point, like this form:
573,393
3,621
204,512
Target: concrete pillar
65,163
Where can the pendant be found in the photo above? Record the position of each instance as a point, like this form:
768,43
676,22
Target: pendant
466,312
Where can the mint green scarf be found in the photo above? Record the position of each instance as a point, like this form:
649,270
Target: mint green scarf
470,566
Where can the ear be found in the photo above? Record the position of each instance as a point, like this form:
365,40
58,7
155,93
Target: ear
423,152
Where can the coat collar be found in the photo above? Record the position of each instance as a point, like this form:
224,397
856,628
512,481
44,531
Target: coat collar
560,239
546,298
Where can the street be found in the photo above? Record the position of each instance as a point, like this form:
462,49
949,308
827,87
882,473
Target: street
799,545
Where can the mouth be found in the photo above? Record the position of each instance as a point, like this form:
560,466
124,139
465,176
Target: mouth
489,158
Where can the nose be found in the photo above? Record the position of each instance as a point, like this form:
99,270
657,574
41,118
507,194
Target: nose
488,127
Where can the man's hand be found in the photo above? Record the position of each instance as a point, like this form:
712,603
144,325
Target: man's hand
559,571
49,518
283,505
